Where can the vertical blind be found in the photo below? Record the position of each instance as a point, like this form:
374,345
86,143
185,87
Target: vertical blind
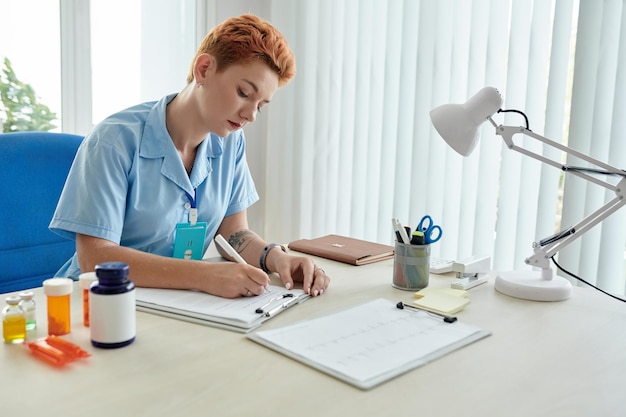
350,145
596,128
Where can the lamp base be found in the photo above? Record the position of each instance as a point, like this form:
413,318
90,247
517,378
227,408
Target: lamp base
529,285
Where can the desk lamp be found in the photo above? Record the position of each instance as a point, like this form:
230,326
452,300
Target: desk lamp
458,126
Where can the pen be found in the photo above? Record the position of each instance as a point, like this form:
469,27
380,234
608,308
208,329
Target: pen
399,229
282,307
219,239
447,319
261,309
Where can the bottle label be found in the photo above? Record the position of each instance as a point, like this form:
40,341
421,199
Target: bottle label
112,318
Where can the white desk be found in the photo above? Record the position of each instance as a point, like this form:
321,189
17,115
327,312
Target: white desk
543,359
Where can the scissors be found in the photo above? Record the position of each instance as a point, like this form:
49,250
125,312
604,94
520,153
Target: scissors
429,228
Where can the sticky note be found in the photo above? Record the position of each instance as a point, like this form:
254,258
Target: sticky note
445,291
446,301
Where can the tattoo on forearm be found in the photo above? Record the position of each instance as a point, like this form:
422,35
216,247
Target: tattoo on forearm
240,240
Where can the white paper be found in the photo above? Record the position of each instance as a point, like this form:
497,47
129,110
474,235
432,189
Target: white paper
239,312
369,343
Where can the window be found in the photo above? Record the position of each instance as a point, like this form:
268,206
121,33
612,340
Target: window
106,55
115,55
140,51
34,49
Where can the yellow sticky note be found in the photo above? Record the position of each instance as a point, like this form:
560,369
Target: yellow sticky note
444,291
440,302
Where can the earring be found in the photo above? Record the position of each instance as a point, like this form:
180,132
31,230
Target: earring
198,85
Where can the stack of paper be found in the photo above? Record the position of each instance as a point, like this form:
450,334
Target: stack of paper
239,314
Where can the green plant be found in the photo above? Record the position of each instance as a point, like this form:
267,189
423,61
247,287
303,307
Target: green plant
20,105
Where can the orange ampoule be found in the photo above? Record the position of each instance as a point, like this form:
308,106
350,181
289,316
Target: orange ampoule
69,348
48,353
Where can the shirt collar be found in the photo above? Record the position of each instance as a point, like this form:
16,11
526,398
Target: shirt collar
157,143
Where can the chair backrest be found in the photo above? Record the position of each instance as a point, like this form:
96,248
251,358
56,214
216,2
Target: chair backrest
33,168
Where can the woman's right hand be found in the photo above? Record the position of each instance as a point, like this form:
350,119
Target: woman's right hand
232,280
224,279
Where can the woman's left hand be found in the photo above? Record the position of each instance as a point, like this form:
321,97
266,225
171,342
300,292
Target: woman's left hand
294,268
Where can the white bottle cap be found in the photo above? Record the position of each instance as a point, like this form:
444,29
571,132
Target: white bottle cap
58,286
13,300
86,279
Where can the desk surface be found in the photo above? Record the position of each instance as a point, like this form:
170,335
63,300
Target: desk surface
542,359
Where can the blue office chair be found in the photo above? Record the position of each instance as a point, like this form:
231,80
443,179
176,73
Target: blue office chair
33,167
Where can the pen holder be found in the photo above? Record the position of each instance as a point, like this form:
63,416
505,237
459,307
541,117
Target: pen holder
411,266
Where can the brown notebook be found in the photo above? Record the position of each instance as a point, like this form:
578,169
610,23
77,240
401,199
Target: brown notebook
343,249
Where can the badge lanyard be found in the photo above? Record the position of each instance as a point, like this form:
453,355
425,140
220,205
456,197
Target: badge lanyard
193,211
189,241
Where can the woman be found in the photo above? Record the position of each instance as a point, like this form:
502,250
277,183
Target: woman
142,175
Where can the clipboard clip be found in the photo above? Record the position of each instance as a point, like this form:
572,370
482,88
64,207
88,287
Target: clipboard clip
283,306
447,319
261,309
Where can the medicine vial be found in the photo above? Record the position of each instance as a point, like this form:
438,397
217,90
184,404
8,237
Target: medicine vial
112,307
85,280
29,307
13,321
57,291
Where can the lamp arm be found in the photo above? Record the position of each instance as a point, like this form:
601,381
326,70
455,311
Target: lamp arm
542,254
507,133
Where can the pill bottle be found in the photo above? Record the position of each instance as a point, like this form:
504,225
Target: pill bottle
57,291
112,306
13,321
84,281
29,307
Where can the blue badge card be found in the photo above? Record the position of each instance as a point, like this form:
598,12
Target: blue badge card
189,243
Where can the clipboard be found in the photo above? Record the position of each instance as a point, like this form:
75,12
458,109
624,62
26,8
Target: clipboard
238,314
344,249
371,343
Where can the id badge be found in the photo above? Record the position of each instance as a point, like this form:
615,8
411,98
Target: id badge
189,241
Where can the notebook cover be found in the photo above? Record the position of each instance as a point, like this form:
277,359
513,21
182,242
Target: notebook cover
344,249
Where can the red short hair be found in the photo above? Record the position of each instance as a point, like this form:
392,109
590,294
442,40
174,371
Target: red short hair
244,39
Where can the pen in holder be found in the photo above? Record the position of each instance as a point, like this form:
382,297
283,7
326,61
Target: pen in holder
411,266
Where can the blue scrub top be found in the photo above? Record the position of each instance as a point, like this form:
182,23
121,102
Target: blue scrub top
128,184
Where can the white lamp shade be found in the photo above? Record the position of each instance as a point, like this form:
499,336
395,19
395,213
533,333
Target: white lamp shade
458,123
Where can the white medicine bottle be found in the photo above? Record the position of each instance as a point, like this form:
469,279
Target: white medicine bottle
112,306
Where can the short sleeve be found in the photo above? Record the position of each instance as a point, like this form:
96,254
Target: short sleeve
94,196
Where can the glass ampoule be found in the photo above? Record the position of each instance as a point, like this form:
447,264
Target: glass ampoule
29,307
13,321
